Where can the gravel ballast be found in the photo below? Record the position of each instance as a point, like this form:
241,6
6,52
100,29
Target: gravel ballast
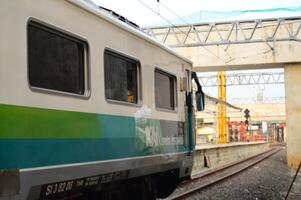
270,179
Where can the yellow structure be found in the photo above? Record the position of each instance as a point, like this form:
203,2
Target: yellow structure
222,112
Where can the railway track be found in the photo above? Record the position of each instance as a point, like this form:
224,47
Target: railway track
210,178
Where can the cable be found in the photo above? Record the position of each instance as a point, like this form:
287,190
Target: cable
175,14
291,185
185,22
174,26
230,57
250,56
212,53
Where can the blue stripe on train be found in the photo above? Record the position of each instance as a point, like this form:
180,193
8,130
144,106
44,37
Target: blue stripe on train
28,153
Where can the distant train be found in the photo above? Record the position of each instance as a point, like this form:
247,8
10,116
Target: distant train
90,106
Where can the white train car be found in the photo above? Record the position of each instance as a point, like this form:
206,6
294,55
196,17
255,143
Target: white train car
88,103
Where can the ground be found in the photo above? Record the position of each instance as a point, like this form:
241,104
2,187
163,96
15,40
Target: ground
270,179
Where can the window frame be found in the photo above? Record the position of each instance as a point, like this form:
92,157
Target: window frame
139,78
69,35
164,72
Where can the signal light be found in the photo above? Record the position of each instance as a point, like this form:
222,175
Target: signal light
247,113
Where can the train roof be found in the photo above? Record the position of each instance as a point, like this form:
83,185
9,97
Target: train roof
92,8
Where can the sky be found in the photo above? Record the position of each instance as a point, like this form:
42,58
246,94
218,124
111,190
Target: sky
136,11
143,12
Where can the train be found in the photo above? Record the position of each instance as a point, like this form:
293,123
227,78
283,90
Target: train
90,106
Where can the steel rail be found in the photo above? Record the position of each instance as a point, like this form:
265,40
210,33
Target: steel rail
189,192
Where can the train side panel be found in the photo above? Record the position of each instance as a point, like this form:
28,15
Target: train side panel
51,139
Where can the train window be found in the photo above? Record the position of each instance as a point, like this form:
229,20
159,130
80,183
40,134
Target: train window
121,77
56,61
165,90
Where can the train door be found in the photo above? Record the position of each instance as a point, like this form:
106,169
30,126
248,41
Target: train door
199,102
190,139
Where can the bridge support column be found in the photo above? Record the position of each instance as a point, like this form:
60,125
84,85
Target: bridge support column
293,112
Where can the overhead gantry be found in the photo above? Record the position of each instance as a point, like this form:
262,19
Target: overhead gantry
235,45
225,33
244,79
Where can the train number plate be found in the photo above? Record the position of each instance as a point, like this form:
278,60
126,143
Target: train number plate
52,190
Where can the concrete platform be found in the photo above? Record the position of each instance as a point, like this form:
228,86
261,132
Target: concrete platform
210,156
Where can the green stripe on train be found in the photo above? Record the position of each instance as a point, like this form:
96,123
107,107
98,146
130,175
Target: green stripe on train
28,122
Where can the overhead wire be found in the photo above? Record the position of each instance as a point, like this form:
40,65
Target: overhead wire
174,26
231,59
250,56
191,25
